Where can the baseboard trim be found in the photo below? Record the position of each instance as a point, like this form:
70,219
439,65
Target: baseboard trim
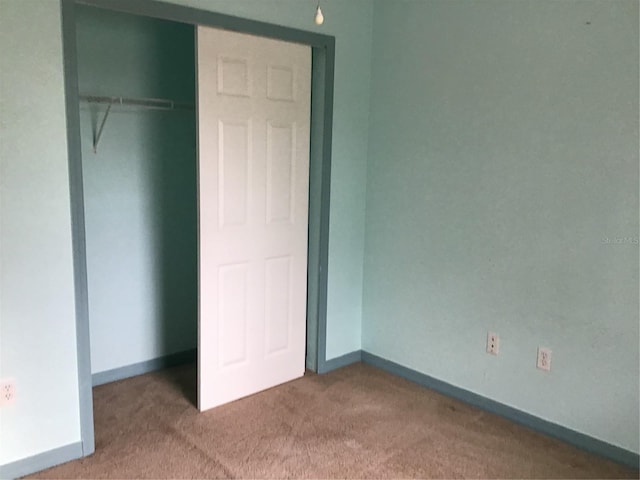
577,439
41,461
339,362
167,361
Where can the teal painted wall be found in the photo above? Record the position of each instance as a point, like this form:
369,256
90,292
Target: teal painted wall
140,188
37,310
503,153
350,22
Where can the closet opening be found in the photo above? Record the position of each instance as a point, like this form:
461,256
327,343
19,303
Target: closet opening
136,79
131,98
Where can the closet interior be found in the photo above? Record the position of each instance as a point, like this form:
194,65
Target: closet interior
136,79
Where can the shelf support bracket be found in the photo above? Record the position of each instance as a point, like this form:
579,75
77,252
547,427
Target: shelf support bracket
98,134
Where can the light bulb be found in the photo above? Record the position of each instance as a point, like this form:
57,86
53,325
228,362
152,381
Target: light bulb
319,16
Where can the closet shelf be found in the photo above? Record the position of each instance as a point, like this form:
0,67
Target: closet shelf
145,103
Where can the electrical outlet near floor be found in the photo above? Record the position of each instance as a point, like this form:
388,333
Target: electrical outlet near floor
493,343
544,359
7,391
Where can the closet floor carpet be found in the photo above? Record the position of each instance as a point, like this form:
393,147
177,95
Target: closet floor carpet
356,422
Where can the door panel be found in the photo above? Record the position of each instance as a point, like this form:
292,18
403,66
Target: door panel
253,114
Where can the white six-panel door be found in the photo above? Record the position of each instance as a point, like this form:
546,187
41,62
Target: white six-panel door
253,181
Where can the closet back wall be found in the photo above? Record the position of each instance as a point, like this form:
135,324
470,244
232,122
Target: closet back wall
139,188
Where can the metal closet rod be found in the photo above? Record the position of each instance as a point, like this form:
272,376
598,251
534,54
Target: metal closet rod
149,103
153,103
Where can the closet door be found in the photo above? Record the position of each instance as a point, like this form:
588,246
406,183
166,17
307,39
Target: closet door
254,116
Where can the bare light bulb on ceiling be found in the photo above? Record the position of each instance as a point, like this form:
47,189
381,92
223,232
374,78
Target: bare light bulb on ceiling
319,16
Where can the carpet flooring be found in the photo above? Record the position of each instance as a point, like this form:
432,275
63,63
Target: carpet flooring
356,422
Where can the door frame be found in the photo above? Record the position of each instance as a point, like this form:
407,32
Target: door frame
322,85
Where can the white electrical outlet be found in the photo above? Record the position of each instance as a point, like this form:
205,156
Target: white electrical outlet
493,343
7,391
544,359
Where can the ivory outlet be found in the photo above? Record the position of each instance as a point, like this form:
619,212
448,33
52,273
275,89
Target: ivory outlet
493,343
544,359
7,391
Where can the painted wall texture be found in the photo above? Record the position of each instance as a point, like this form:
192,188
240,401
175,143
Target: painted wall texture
140,188
503,154
37,309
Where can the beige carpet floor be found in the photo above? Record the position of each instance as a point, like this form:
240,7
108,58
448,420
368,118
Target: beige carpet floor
356,422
